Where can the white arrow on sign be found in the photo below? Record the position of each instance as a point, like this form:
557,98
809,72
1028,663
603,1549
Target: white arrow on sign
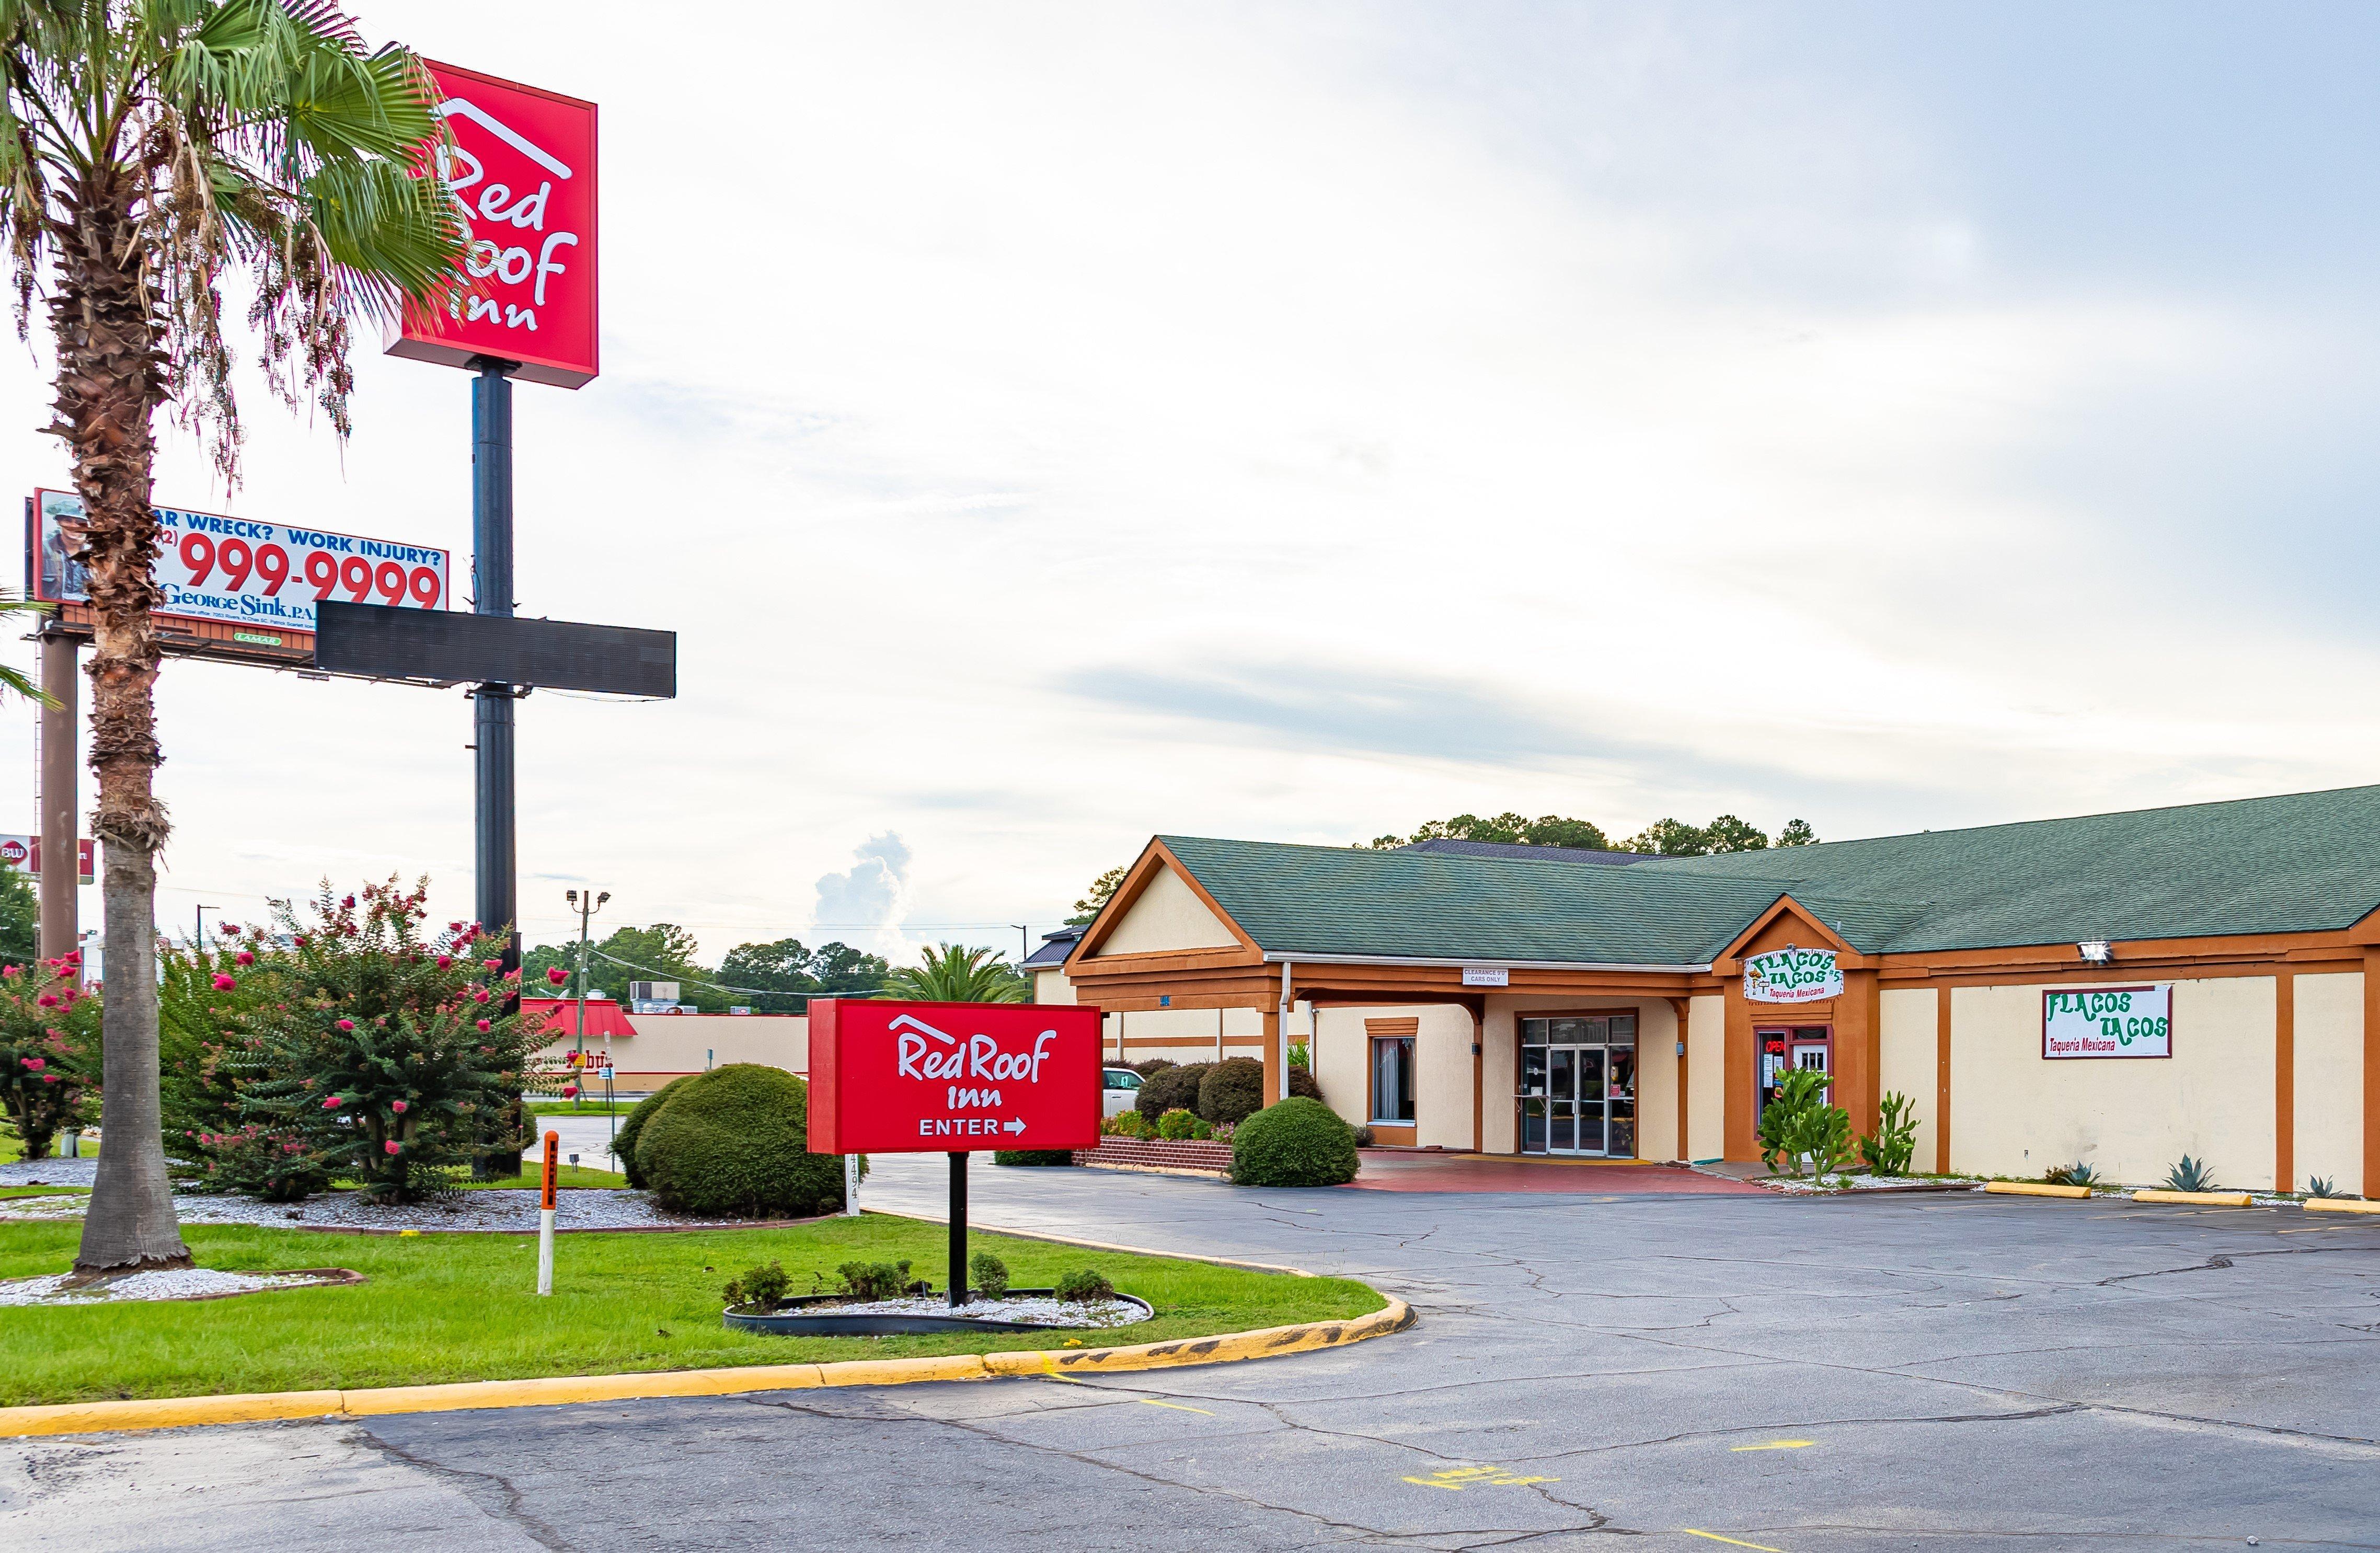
1015,1126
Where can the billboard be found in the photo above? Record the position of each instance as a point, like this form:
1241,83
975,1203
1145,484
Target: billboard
951,1078
522,172
377,642
243,573
2107,1021
24,854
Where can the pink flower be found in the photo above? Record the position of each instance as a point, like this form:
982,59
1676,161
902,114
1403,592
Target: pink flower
347,904
49,1078
570,1091
445,960
453,927
479,994
557,976
492,965
227,927
12,972
483,1030
299,940
49,999
347,1023
398,1105
36,1064
332,1103
223,983
244,957
392,1146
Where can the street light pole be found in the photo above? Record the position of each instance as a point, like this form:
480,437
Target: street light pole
587,909
198,939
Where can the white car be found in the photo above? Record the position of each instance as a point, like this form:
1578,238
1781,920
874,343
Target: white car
1120,1092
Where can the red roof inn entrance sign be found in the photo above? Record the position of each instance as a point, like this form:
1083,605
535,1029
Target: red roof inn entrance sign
522,172
948,1078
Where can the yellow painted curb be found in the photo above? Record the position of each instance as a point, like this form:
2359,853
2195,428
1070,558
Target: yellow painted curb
175,1413
2209,1199
2340,1205
2034,1189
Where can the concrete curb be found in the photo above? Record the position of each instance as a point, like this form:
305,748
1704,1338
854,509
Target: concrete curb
2034,1189
2340,1205
177,1412
2204,1199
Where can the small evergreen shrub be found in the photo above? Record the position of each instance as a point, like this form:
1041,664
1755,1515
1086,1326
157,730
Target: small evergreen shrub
1295,1141
874,1280
1177,1124
2191,1175
1085,1285
1032,1155
1173,1089
1232,1090
624,1144
764,1287
1126,1125
990,1273
1302,1082
734,1143
1150,1069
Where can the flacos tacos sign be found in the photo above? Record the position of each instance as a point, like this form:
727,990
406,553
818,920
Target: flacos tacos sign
2107,1021
1792,975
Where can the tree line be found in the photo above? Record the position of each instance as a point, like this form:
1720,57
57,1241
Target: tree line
779,977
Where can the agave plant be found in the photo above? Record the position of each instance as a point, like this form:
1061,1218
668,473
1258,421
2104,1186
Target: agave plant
2075,1174
2323,1186
2191,1175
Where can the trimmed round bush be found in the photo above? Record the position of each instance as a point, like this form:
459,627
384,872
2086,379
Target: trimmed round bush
1232,1091
1173,1089
1150,1069
1295,1141
1032,1157
734,1143
623,1143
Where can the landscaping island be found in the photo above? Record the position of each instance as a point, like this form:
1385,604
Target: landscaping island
436,1307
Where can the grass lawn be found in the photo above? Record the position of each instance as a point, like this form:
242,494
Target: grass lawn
565,1175
463,1307
590,1107
44,1191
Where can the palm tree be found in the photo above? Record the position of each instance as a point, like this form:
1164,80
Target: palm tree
148,149
952,973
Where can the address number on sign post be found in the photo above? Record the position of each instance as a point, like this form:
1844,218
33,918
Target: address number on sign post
950,1078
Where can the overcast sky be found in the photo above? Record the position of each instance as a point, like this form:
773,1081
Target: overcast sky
1045,426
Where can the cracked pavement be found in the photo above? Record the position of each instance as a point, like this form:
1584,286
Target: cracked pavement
1807,1375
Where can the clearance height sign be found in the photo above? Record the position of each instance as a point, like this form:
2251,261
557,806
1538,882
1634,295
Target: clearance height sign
950,1078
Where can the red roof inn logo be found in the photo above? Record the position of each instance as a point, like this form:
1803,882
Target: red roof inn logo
948,1078
522,174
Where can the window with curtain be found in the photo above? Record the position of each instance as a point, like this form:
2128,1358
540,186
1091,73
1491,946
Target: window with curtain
1392,1066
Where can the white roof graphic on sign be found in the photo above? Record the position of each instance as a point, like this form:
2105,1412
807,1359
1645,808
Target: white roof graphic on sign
505,133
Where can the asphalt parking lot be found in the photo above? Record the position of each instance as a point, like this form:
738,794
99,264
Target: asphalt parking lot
1688,1372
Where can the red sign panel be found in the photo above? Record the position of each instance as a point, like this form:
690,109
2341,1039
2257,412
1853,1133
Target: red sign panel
951,1078
522,172
24,854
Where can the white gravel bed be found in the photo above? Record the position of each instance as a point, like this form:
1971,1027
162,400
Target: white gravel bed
1042,1311
506,1211
1866,1183
50,1172
66,1205
191,1283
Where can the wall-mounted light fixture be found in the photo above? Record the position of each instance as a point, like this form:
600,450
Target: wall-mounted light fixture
2097,952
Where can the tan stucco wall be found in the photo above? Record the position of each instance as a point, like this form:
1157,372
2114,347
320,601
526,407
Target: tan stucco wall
2329,1090
1657,1081
1339,1057
1706,1077
1908,1042
1053,987
1188,1034
1168,914
1442,1068
2013,1113
669,1044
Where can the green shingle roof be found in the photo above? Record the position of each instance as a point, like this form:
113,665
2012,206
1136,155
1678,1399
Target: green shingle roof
2303,862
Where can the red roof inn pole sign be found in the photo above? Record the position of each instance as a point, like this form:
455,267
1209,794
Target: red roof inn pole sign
948,1078
522,172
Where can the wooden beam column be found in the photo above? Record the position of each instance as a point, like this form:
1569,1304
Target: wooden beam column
1942,1081
1683,1009
1859,1049
1741,1137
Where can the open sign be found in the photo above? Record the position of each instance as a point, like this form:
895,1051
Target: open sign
948,1078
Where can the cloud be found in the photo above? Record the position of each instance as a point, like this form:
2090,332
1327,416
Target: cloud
872,893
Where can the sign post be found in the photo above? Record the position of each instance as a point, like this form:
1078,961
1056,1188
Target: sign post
950,1078
545,1214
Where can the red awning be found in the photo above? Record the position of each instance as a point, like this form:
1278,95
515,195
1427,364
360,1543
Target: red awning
605,1020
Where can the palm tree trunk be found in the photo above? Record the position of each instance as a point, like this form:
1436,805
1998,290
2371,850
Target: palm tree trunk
110,381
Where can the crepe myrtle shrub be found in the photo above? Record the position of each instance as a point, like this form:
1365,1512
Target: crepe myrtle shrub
1295,1141
383,1050
1175,1089
49,1051
734,1142
632,1127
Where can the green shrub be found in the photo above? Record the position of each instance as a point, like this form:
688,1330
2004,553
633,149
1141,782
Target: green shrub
1126,1125
1083,1285
1295,1141
1890,1148
49,1053
874,1280
990,1274
2077,1174
1150,1069
1173,1089
1231,1090
2191,1175
1177,1124
1303,1082
734,1142
1032,1155
764,1287
623,1143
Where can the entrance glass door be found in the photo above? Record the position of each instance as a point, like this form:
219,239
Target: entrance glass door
1578,1085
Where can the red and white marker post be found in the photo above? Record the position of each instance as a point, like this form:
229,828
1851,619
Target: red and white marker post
545,1214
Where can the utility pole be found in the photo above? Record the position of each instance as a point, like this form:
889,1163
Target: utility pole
587,909
198,932
1024,942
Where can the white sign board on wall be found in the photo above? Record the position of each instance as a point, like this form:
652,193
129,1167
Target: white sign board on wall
1792,975
2107,1021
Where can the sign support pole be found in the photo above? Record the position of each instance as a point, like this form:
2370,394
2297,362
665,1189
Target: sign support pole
545,1214
497,902
61,870
958,1230
851,1186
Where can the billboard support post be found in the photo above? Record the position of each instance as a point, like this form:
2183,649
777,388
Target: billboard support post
492,587
60,743
958,1230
